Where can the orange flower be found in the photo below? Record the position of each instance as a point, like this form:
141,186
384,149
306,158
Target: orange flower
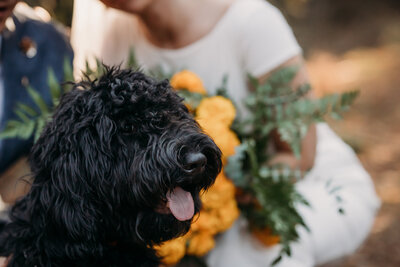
172,251
214,115
227,215
206,222
217,108
211,127
227,141
200,244
266,237
223,137
219,194
188,80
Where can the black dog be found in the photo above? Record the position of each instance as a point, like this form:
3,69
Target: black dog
117,170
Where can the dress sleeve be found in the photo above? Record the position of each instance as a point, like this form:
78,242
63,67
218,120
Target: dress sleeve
266,39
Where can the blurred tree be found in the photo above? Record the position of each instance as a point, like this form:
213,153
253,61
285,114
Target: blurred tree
60,10
294,8
299,9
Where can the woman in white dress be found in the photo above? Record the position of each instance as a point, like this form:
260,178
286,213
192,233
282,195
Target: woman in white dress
215,38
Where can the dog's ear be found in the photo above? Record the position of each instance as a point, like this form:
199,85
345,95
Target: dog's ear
70,164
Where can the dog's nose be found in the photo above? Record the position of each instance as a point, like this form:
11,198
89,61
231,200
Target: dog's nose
195,163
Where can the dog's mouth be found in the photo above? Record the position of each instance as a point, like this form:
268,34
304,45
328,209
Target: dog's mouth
179,203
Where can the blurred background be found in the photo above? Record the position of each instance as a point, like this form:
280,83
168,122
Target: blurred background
349,44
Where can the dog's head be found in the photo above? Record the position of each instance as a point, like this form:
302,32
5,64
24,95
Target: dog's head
122,159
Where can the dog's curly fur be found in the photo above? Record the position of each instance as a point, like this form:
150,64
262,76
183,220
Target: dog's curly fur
101,169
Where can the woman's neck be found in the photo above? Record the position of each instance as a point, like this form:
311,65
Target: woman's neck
178,23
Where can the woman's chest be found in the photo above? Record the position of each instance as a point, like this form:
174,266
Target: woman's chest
214,62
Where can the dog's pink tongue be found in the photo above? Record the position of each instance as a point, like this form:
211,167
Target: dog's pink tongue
181,204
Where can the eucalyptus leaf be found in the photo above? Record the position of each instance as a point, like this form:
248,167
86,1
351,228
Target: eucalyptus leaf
253,81
234,168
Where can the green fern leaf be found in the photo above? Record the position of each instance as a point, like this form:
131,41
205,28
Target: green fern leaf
132,61
22,116
11,130
26,129
55,88
39,128
283,76
37,98
27,109
68,72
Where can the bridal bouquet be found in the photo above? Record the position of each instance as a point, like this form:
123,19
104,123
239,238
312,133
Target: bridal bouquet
268,190
215,115
267,195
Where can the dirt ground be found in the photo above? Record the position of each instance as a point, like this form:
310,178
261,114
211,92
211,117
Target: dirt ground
372,128
363,52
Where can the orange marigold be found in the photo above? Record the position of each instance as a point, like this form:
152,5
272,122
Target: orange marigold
227,215
217,108
227,141
205,222
200,244
172,251
223,137
219,194
266,237
211,127
188,80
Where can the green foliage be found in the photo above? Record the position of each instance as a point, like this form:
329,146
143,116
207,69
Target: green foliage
55,87
94,73
132,61
222,90
234,169
68,73
30,120
275,106
157,73
191,99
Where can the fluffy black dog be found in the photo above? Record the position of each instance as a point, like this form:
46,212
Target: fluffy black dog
117,170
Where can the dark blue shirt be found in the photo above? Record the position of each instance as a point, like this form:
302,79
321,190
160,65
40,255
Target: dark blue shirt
20,67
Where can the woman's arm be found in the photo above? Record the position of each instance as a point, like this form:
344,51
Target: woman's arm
3,261
309,142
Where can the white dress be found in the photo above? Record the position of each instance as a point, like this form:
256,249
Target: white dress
252,37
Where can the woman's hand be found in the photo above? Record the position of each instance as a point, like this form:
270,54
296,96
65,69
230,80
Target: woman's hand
285,156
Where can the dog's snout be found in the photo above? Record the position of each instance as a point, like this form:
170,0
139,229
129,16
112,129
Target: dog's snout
195,162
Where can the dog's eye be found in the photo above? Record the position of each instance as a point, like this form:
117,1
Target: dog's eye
127,128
